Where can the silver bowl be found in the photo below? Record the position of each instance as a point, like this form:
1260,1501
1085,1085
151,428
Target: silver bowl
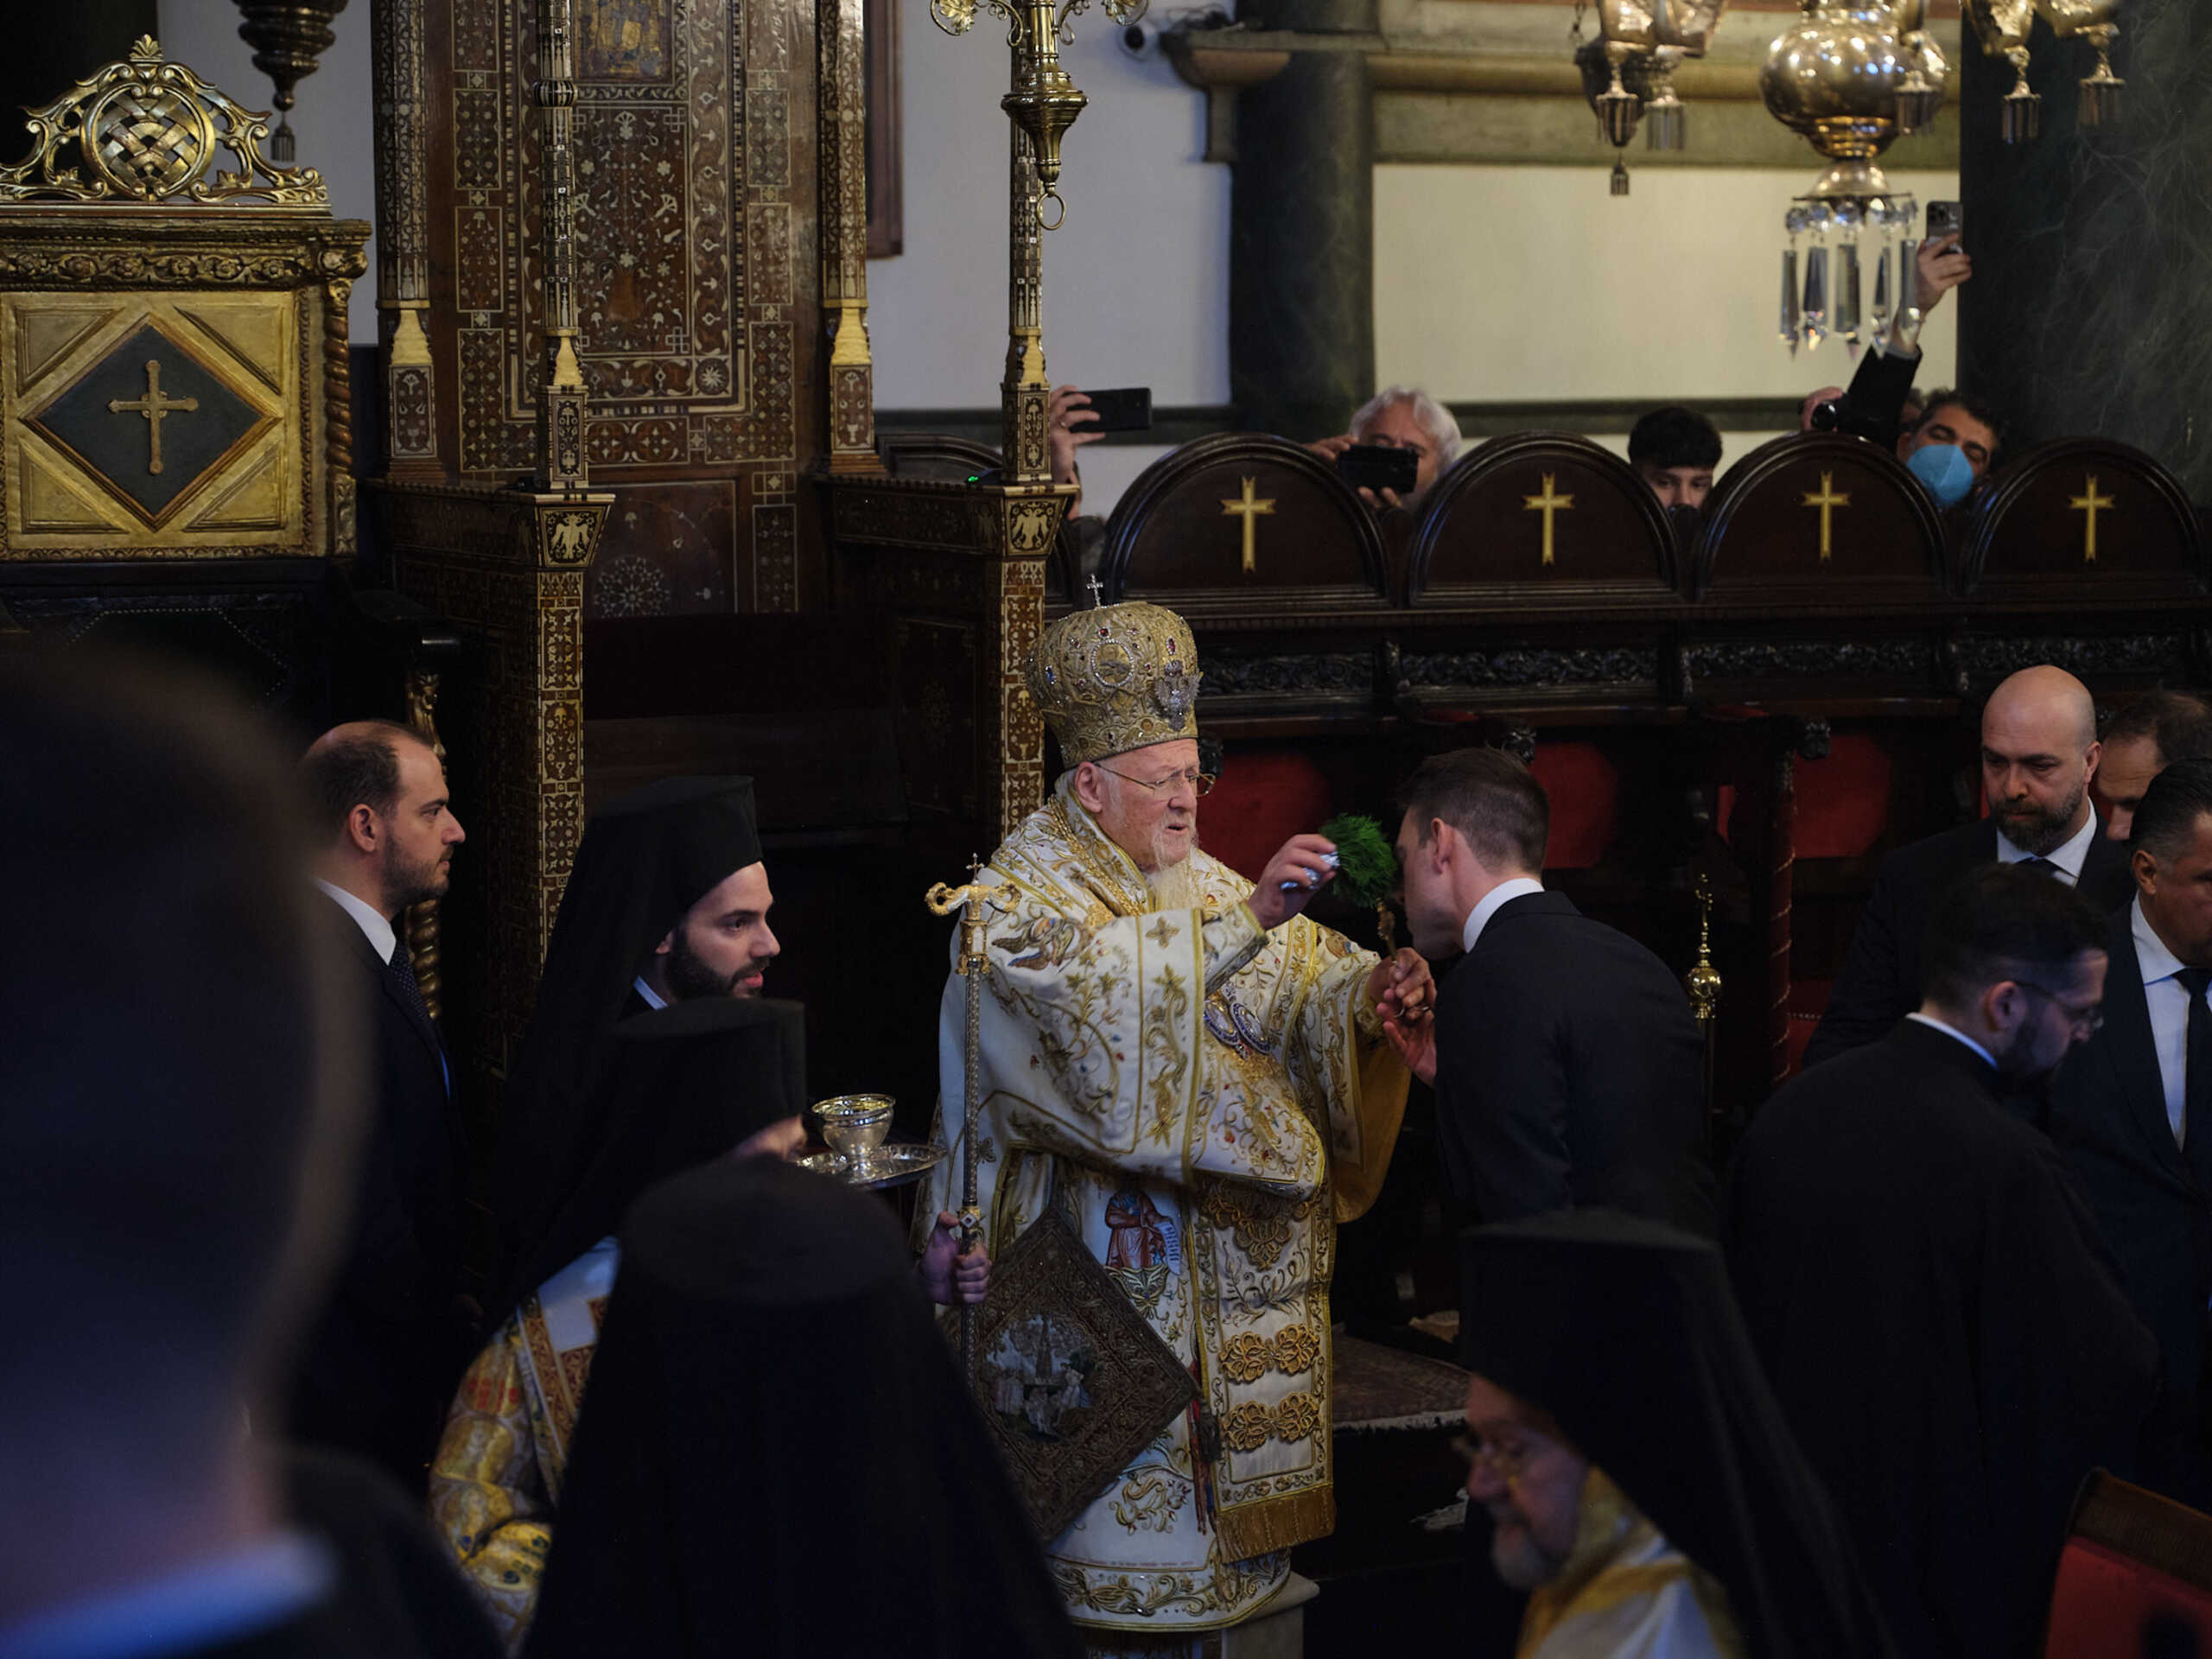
856,1125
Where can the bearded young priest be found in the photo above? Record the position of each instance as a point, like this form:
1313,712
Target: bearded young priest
1197,1078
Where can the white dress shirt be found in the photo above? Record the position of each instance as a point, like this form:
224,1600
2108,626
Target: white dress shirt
2167,999
377,928
2069,857
1492,902
1934,1023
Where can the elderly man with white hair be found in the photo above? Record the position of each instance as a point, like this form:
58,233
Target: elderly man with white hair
1197,1081
1399,417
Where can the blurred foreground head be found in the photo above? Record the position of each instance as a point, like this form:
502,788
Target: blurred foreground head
175,1103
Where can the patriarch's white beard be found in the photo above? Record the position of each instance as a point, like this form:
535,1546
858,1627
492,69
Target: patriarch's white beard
1176,886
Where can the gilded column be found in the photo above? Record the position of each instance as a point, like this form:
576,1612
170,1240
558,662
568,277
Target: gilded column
842,183
561,399
403,262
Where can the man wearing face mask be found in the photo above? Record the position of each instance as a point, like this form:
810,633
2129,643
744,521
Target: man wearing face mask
1879,404
2039,751
1957,437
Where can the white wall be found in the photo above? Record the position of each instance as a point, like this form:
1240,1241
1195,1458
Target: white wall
331,123
1136,284
1499,283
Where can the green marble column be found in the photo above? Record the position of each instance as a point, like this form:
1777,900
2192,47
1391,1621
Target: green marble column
2090,310
1301,278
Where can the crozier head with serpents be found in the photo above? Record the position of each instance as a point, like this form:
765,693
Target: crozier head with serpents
1119,684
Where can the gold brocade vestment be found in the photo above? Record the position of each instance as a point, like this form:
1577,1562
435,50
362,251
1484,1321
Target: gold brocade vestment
1203,1101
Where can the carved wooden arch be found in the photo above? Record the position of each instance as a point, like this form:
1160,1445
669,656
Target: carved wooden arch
2032,530
1173,537
1762,529
1478,541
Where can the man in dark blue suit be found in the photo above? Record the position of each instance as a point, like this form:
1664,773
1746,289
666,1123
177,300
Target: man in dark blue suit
2133,1110
2038,753
1568,1068
377,1370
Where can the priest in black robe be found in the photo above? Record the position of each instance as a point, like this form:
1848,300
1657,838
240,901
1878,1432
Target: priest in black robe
1936,1313
781,1457
1616,1340
646,863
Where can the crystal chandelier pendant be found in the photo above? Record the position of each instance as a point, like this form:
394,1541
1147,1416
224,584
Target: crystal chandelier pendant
1847,216
1793,315
1881,312
1816,288
1665,122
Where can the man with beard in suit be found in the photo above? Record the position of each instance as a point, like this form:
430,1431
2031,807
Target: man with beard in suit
377,1369
2132,1111
2039,751
1929,1294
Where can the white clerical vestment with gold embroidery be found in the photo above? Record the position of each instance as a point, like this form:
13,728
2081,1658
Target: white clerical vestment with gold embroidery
1203,1102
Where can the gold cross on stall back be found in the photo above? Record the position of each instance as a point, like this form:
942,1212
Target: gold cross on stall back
1827,501
154,407
2088,502
1547,504
1248,508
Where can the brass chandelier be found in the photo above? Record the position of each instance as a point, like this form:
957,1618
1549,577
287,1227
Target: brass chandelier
1628,72
1852,76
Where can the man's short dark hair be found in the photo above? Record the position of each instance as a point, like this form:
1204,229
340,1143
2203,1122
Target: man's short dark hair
2166,822
1977,408
1488,797
359,771
2005,921
1674,436
2178,725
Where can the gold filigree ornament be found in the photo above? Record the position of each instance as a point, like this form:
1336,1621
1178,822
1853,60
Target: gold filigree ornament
147,130
1244,1358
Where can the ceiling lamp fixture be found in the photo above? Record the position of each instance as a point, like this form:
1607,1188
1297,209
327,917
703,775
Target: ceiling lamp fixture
2003,26
1628,72
1849,75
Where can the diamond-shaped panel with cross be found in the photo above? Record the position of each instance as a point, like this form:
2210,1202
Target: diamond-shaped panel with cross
149,420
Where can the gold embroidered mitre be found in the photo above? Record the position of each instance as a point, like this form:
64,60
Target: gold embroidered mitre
1116,678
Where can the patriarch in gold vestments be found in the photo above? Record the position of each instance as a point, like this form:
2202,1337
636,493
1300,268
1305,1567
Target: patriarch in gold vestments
1197,1079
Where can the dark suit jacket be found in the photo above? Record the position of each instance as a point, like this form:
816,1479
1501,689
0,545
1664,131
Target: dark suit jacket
1569,1072
1942,1328
1880,981
1877,392
378,1368
2108,1119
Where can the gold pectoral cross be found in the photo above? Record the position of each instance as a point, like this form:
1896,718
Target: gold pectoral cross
2089,501
1248,508
1827,501
1547,504
154,407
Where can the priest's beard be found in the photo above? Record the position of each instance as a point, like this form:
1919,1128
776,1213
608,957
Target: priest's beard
1175,886
690,975
1520,1559
2036,830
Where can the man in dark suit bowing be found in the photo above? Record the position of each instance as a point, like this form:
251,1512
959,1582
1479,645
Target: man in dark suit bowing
376,1371
2038,753
1568,1070
2132,1114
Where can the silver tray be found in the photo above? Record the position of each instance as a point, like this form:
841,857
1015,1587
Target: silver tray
893,1164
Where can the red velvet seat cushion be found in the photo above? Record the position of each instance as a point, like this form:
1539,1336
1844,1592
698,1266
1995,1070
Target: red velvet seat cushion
1262,800
1807,1002
2102,1599
1843,799
1585,789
